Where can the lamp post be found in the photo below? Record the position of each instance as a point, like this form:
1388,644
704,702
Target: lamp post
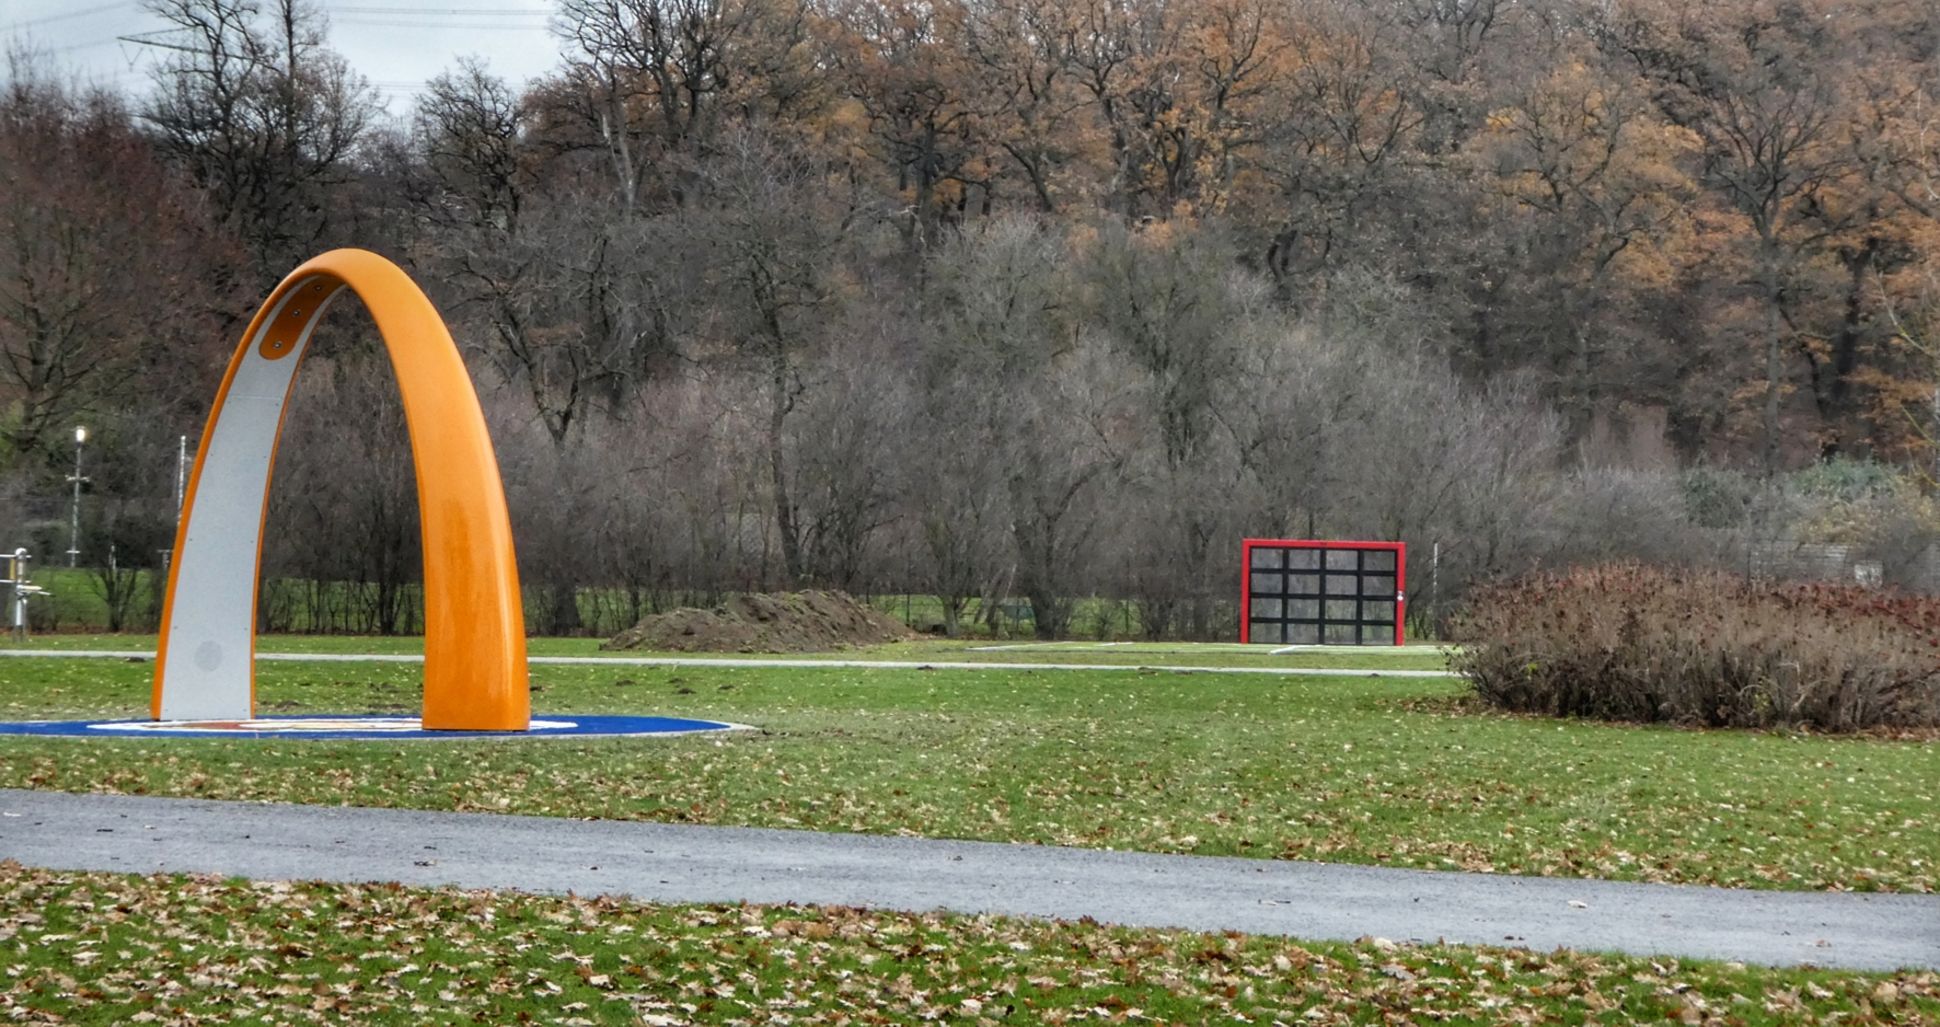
74,530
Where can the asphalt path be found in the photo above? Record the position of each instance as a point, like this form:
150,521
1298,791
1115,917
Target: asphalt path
728,661
685,863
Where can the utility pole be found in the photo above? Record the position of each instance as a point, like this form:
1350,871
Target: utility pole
74,528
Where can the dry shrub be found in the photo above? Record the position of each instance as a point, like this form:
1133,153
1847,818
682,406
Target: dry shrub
1626,642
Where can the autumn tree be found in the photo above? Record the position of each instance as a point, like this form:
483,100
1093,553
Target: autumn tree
1597,185
1909,293
1167,301
1752,82
1337,154
1450,43
345,549
904,65
571,301
1019,56
1879,221
109,273
1175,87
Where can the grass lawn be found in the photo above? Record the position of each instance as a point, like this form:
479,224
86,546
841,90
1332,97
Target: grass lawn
103,948
1352,769
1129,654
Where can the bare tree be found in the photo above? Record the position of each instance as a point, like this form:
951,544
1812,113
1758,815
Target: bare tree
993,311
262,114
467,132
770,234
658,80
1168,302
344,503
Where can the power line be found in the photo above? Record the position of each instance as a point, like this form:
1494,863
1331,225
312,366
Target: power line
354,15
468,27
469,12
362,16
51,18
70,48
139,37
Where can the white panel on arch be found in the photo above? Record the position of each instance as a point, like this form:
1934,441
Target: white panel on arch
210,645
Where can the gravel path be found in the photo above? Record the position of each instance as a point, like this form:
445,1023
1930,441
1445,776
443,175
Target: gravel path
682,863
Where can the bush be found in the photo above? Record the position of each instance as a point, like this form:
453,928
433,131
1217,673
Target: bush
1626,642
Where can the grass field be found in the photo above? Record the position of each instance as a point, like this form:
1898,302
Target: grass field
1354,769
102,948
1413,657
74,603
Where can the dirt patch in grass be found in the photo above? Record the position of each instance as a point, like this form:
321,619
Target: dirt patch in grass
775,622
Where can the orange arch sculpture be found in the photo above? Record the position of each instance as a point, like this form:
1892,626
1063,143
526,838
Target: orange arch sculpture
474,624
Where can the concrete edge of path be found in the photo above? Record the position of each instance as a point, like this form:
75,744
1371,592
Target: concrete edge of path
729,661
693,864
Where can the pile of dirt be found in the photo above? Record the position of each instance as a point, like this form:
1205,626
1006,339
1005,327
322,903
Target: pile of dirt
774,622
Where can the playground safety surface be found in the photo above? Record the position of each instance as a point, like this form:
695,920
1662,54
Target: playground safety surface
339,727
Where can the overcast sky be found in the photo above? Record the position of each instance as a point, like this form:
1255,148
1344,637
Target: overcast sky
396,44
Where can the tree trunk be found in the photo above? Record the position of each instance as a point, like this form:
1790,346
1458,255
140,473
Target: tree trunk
1836,399
1049,613
564,608
778,404
1772,370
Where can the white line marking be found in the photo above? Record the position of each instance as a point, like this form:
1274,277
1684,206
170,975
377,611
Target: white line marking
1214,647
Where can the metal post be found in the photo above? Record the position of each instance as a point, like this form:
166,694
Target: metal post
74,532
16,570
181,473
17,573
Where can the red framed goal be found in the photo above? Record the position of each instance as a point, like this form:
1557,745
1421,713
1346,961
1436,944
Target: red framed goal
1312,592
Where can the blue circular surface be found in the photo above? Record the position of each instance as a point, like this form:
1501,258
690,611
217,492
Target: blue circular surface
352,726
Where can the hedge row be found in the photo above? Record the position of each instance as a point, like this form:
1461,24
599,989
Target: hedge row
1633,643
